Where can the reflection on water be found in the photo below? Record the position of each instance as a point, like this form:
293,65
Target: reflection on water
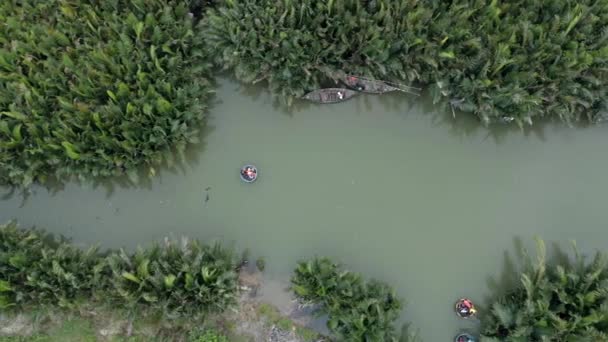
391,186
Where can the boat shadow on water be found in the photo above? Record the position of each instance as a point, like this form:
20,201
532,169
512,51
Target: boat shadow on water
458,123
465,125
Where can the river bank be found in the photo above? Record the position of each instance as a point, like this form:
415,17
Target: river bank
253,319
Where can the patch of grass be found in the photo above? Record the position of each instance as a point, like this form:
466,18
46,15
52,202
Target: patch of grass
208,335
71,330
273,316
269,311
131,339
74,329
284,323
306,334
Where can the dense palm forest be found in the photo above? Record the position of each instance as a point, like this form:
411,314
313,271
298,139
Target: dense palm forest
520,60
97,88
110,88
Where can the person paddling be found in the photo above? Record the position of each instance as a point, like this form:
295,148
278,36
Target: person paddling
465,308
249,173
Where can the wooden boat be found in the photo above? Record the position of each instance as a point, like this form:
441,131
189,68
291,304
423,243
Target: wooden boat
330,95
367,86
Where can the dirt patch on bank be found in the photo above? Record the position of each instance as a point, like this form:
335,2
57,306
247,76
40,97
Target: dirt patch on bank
266,321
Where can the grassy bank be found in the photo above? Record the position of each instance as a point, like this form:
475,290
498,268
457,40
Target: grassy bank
94,323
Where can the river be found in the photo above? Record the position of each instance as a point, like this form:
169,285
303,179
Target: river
388,185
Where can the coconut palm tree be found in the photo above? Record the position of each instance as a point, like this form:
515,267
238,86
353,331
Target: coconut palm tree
357,310
565,302
504,61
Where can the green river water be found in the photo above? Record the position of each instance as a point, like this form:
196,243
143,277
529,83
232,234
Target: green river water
387,185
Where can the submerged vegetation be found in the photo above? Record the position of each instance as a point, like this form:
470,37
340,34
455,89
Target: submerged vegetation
502,60
567,301
357,310
97,88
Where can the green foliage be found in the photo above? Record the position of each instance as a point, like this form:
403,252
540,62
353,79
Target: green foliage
298,45
561,302
71,330
37,270
514,60
208,336
171,278
273,316
260,263
521,59
187,277
358,310
97,88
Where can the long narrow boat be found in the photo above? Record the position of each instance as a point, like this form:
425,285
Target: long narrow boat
330,95
367,86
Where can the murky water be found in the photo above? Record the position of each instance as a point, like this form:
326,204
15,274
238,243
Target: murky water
384,184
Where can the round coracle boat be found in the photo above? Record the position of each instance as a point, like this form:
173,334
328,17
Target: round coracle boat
249,173
465,337
464,308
